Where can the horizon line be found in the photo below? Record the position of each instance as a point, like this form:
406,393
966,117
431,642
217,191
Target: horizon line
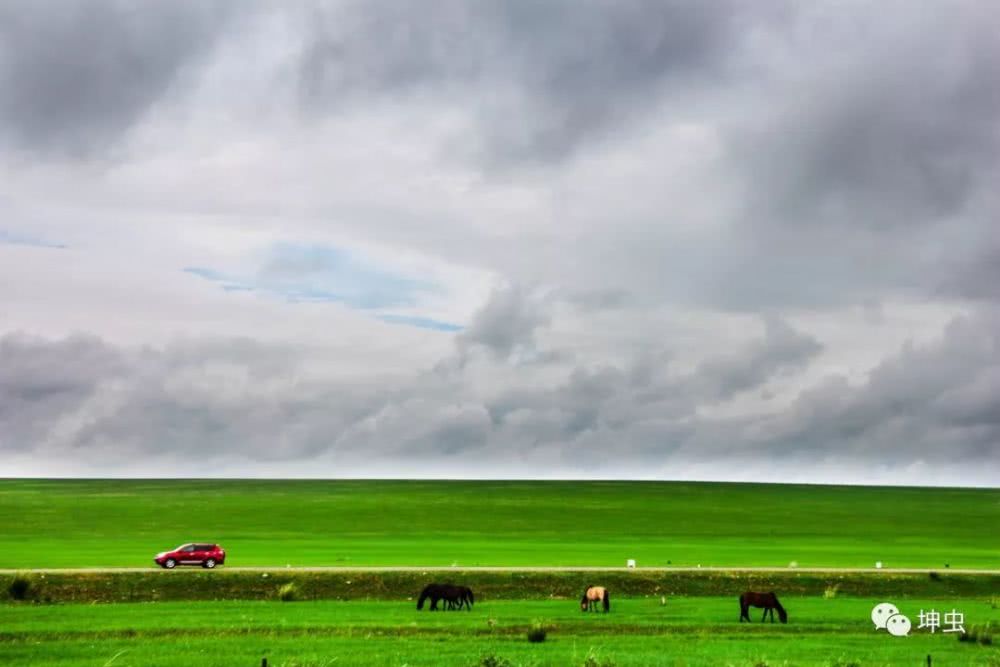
575,480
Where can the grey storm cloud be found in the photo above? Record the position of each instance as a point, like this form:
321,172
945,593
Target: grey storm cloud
82,394
506,321
895,144
76,75
40,379
616,397
882,143
540,77
782,349
83,397
938,402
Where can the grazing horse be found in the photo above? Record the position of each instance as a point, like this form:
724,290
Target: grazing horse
592,595
465,599
769,601
451,594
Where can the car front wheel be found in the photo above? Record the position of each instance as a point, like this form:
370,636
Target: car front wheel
210,563
169,563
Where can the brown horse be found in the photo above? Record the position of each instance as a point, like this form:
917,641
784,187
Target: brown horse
592,596
454,596
769,601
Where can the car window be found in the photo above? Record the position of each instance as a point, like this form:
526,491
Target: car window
187,548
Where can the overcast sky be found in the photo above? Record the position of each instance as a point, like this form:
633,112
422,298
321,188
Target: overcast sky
417,238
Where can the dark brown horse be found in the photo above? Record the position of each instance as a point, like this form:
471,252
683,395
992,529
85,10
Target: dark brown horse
769,601
465,599
454,596
592,596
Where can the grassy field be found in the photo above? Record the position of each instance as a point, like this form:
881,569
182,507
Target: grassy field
231,617
92,523
686,631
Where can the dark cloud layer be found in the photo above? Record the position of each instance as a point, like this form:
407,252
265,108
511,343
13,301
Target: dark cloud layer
540,77
507,321
83,397
76,75
933,403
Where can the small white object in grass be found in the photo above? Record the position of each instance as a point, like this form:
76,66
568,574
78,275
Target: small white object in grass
630,563
878,565
663,600
794,563
264,575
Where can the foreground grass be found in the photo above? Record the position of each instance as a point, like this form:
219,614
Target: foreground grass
92,523
685,631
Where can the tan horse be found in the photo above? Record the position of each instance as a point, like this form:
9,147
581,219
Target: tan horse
592,596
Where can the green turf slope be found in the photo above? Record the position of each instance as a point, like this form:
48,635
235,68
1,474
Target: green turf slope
92,523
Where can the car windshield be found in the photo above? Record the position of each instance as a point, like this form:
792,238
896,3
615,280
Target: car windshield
182,547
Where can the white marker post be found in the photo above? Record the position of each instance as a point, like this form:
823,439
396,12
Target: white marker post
630,563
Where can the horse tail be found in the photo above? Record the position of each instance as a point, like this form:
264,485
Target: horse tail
471,597
607,600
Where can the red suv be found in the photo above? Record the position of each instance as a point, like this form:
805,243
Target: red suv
206,555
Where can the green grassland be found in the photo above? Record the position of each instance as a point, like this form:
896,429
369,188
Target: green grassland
234,617
93,523
638,631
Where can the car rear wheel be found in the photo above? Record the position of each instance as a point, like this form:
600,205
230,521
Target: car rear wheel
169,563
210,563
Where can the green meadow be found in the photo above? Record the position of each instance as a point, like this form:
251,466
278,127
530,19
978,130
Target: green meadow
684,631
95,523
233,617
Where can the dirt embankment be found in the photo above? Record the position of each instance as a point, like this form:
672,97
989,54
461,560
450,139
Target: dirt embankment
222,584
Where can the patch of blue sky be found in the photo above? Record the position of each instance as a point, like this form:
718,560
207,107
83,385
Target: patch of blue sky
14,238
227,283
421,322
316,274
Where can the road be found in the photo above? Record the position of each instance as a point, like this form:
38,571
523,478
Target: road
645,570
